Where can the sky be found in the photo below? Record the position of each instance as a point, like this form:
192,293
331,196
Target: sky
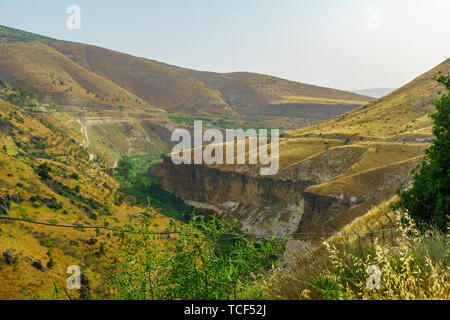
345,44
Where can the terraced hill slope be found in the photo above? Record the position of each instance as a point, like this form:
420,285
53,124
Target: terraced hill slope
329,174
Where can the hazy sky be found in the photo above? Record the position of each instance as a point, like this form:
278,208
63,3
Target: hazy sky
345,44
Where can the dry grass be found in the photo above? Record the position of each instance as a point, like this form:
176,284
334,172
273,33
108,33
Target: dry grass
402,112
413,266
79,74
30,242
306,99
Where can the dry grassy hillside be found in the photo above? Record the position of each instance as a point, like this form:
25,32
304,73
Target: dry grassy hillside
76,193
261,95
128,106
192,92
195,93
56,79
401,115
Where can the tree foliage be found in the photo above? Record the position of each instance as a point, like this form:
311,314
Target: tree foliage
191,266
428,201
44,171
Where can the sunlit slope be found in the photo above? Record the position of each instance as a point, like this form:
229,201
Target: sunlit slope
154,82
380,144
56,79
260,95
401,115
80,74
329,173
78,193
193,92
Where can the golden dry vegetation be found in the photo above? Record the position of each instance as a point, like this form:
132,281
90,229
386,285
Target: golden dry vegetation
77,74
358,159
26,141
410,265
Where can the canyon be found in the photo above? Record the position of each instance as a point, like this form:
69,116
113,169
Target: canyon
330,173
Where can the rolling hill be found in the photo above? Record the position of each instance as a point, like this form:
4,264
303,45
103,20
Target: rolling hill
128,105
46,177
330,173
80,74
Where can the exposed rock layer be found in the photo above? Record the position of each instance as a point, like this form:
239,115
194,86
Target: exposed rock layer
298,199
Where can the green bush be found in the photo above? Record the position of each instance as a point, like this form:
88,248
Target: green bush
47,243
75,176
44,171
51,260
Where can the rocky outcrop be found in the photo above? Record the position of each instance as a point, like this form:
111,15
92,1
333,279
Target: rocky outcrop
6,200
263,206
9,258
319,194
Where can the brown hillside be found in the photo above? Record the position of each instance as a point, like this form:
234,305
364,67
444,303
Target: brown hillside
329,174
27,140
115,78
198,93
56,79
128,105
401,115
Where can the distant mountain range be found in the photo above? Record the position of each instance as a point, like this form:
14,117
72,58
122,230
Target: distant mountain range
375,92
69,73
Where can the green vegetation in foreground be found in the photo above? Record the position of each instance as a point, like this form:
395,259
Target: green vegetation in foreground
142,187
190,267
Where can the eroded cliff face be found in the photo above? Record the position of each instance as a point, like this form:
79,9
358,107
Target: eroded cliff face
318,194
262,205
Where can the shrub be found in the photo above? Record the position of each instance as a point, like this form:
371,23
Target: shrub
75,176
44,171
51,260
47,243
190,266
